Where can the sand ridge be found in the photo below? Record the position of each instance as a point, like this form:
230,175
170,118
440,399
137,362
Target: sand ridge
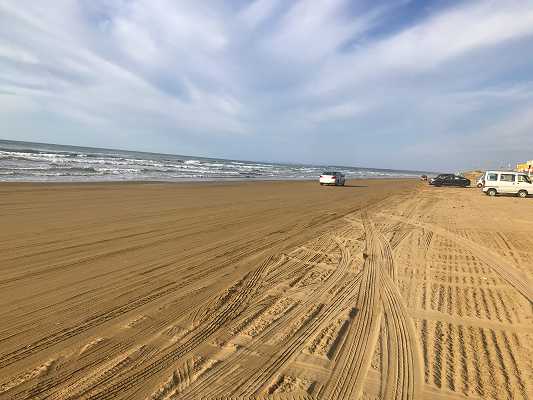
395,290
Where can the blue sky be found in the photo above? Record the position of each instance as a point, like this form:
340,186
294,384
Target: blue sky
395,84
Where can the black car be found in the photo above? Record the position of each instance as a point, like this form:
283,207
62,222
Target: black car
450,180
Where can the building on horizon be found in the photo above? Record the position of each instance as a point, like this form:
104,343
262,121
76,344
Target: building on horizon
525,166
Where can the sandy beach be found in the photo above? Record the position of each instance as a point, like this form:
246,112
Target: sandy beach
383,289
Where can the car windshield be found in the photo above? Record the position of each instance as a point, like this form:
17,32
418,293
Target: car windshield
328,173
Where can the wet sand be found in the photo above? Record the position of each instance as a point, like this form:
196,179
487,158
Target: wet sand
381,289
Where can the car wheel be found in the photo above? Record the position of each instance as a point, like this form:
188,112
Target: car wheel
480,185
522,193
491,192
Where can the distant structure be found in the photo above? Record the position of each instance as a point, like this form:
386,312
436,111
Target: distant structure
525,166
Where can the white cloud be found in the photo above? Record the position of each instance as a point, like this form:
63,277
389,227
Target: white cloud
339,111
16,54
313,30
113,88
470,27
270,69
467,28
257,12
512,133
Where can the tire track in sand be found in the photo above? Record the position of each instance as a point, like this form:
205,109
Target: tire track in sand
379,298
499,264
69,332
241,295
404,369
350,370
251,381
258,382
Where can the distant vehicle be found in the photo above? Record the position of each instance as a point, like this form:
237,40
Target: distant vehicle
480,181
423,177
509,182
450,180
332,178
438,177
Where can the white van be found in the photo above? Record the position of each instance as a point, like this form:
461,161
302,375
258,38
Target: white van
507,182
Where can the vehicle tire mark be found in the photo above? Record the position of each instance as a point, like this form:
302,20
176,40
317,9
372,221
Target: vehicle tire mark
350,370
252,381
498,264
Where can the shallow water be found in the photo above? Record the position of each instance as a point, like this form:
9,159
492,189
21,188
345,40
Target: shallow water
25,161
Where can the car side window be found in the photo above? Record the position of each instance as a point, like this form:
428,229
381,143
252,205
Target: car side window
507,177
523,178
492,177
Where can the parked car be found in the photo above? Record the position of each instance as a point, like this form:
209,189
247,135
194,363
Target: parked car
480,181
332,178
509,182
450,180
439,177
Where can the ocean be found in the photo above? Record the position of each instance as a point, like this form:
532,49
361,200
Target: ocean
37,162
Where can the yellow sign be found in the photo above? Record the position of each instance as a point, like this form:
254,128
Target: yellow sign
525,166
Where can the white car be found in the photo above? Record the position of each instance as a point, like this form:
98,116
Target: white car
507,182
332,178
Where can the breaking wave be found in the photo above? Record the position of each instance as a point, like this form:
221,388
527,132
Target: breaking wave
22,161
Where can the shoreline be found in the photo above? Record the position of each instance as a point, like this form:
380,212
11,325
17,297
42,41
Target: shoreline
41,162
206,180
192,182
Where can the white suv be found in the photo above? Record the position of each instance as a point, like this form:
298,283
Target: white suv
507,182
332,178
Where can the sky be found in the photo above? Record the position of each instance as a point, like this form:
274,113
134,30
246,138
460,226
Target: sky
424,85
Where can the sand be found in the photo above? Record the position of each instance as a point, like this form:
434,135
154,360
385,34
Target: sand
287,290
